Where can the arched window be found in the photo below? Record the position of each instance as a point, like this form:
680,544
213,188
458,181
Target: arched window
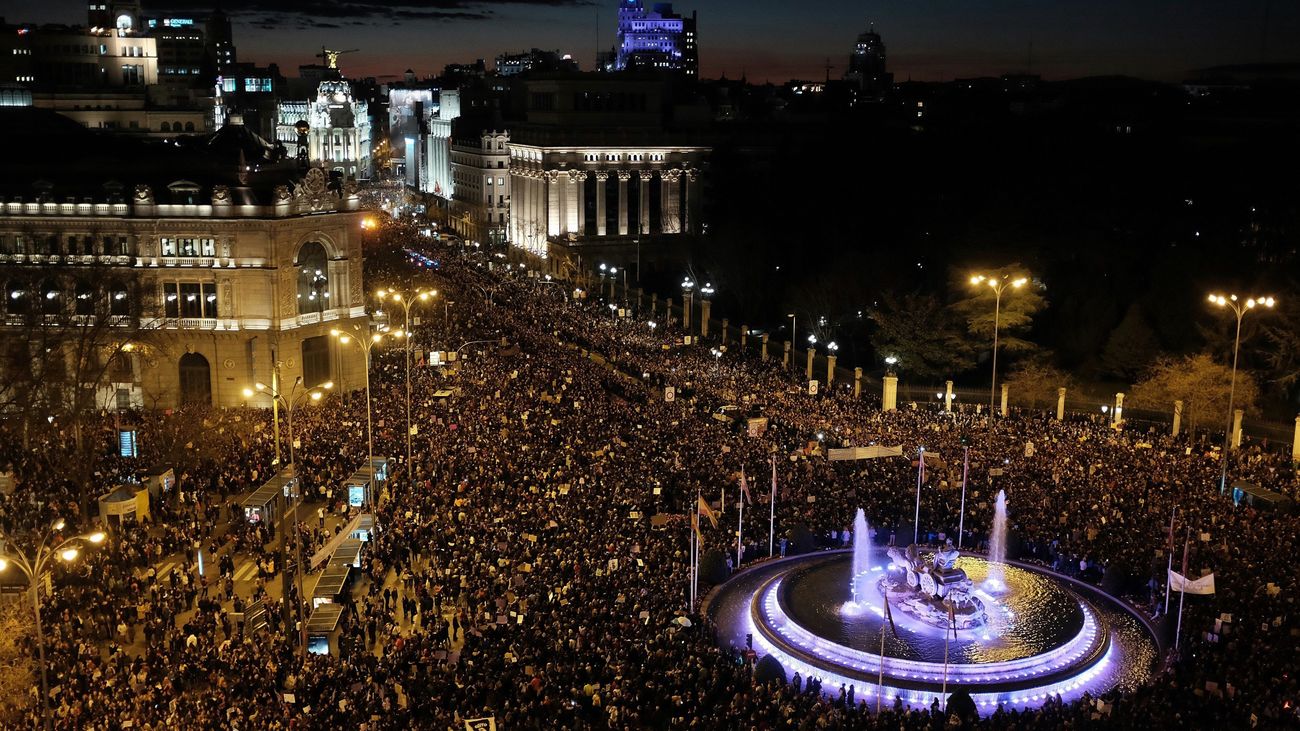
313,278
176,126
84,301
51,297
166,126
189,126
196,380
119,302
17,298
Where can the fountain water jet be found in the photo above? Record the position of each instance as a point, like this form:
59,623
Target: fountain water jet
860,568
998,546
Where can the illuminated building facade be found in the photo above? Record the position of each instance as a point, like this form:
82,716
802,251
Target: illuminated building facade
333,130
656,39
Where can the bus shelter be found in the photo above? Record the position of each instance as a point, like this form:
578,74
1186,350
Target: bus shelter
323,629
331,585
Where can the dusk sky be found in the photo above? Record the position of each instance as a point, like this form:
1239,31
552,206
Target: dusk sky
769,39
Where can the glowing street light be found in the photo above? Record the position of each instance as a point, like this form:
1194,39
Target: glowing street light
36,567
998,285
407,301
1239,308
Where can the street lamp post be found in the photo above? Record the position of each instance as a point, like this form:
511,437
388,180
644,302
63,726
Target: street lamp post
1239,308
998,284
35,567
367,342
407,302
688,296
290,401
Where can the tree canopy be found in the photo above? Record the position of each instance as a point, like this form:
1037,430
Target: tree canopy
1201,383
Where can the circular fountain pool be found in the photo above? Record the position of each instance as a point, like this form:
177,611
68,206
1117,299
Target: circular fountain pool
1040,634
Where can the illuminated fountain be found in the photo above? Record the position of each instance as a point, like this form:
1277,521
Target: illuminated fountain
1036,636
860,571
998,545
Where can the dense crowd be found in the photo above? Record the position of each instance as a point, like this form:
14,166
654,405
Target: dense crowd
516,570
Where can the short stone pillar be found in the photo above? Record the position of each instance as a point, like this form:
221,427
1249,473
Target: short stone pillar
947,397
611,289
725,325
764,339
705,306
1295,442
744,336
1236,428
785,359
654,303
1117,413
1005,389
640,293
830,371
1060,404
857,382
1178,417
808,368
668,309
889,392
687,306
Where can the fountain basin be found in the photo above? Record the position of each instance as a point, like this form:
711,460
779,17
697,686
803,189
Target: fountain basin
1047,638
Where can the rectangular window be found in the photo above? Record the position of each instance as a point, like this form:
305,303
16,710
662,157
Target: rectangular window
169,247
171,300
228,85
191,299
209,299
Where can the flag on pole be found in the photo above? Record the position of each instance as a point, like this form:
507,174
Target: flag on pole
889,615
702,508
1201,586
744,487
695,526
774,480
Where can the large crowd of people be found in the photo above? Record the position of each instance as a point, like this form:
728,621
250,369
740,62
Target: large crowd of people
531,562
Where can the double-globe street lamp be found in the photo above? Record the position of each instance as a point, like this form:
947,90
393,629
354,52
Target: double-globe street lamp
407,301
367,341
1239,308
35,567
297,395
998,285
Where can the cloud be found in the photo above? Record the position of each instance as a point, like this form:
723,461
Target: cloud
272,14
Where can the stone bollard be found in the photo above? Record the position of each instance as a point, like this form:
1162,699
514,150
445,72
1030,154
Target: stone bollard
1117,413
1236,428
889,392
1060,404
830,371
1005,389
857,382
764,347
785,359
668,309
1178,417
687,306
808,368
640,294
654,303
1295,442
705,306
744,336
725,324
947,397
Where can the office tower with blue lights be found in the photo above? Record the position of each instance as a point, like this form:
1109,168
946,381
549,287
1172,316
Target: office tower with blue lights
656,39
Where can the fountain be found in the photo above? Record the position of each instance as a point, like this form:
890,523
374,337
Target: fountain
1038,635
861,552
996,580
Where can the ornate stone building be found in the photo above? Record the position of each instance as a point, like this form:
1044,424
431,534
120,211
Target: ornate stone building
596,167
230,269
332,130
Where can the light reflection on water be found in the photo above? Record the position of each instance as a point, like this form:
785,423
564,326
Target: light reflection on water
1034,615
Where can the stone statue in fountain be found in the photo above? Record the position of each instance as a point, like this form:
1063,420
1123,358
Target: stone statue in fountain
929,587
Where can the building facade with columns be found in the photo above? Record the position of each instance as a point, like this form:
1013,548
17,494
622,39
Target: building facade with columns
595,166
229,273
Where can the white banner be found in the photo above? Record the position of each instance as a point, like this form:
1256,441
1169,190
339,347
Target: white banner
875,451
1203,585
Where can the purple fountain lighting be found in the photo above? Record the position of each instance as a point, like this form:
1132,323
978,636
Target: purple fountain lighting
1040,636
